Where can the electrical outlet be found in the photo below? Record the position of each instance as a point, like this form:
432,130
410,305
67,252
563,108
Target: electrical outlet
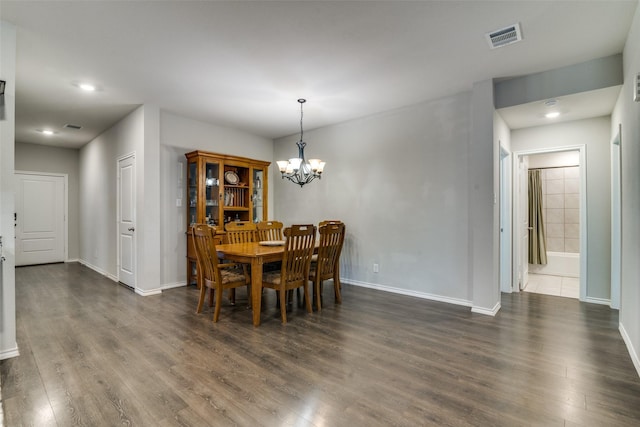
178,202
376,268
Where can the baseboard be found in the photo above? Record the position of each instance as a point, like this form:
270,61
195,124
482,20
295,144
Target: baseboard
601,301
72,260
7,354
98,270
173,285
145,293
630,349
408,292
487,311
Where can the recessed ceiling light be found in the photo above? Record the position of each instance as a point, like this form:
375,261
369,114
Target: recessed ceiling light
552,115
87,87
47,132
550,102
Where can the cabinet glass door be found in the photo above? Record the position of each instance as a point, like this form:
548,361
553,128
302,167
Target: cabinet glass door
212,193
258,195
193,193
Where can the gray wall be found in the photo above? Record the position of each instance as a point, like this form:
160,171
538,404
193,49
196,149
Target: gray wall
400,182
180,135
627,113
591,75
595,134
41,158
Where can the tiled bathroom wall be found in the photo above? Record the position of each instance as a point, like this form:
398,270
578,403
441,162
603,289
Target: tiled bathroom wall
560,189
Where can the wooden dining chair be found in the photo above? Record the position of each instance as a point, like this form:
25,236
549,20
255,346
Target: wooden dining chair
215,276
296,261
320,224
270,230
240,232
328,261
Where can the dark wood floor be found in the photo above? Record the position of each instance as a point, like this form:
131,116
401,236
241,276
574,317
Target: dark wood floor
93,353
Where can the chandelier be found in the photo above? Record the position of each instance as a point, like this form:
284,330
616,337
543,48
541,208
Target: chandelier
298,170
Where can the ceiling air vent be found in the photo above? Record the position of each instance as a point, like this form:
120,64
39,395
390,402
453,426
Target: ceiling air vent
504,36
70,126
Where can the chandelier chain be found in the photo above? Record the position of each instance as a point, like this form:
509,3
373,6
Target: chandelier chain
301,101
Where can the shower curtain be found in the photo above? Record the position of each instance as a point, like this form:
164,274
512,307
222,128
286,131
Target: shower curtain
537,236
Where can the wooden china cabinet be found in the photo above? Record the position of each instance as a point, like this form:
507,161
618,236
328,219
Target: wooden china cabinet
223,188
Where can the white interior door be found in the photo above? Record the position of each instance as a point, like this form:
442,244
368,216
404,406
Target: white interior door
127,221
40,219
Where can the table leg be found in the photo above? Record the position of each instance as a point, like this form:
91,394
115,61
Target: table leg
256,289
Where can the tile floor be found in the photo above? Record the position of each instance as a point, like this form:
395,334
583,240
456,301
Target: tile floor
553,285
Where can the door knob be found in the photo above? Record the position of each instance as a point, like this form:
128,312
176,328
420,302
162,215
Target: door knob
131,229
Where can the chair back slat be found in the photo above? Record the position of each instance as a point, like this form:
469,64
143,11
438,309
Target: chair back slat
270,230
240,232
300,242
329,249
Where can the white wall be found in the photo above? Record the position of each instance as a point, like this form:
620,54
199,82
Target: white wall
484,179
8,344
41,158
159,141
98,175
180,135
595,135
554,160
627,113
400,182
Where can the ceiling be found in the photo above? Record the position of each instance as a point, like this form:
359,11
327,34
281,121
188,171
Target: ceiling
244,64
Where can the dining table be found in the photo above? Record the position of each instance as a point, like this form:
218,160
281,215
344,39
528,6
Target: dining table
255,254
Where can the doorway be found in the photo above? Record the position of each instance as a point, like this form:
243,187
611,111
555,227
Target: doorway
562,270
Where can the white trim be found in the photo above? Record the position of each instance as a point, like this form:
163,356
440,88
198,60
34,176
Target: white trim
141,292
146,293
616,217
630,349
65,222
7,354
72,260
173,285
408,292
487,311
582,150
98,270
505,221
601,301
